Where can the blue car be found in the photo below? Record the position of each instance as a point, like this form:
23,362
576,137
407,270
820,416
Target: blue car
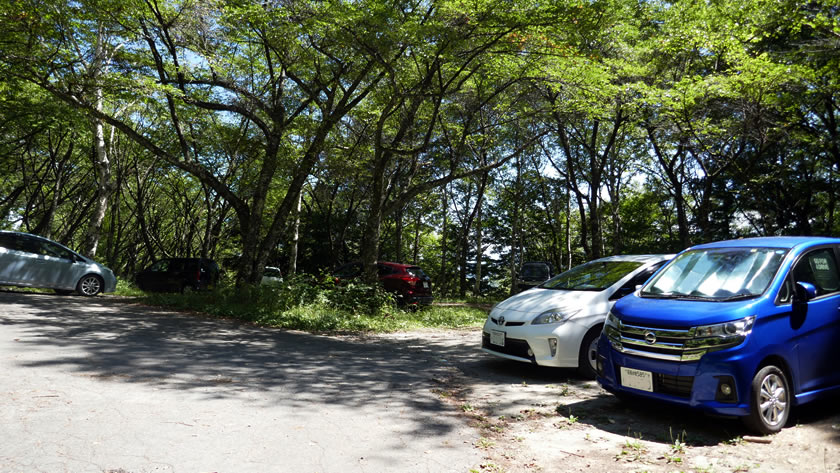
745,328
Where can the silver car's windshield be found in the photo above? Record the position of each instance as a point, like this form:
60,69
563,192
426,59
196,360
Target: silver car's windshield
592,276
720,274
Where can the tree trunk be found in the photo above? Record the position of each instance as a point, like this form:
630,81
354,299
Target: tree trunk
442,279
104,182
398,232
569,228
373,224
479,250
293,251
416,256
514,228
44,227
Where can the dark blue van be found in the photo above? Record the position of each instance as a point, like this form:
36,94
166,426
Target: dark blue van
744,328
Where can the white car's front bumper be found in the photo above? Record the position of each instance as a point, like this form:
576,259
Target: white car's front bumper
546,345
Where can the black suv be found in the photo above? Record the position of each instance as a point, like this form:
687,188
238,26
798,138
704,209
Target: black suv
179,275
532,274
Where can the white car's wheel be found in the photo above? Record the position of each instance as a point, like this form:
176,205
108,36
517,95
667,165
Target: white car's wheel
588,357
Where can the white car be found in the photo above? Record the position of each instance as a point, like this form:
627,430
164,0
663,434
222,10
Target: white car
33,261
272,276
558,322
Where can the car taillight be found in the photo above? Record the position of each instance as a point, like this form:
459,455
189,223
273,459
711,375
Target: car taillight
412,281
198,275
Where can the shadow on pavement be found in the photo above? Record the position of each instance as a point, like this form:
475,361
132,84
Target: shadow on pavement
132,343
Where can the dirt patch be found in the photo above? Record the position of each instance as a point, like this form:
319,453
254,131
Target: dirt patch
533,419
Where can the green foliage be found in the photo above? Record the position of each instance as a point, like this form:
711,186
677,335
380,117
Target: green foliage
318,306
660,124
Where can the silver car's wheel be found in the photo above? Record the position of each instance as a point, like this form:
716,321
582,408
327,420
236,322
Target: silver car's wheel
770,402
89,285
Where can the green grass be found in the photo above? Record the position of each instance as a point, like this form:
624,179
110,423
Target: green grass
126,289
479,300
315,308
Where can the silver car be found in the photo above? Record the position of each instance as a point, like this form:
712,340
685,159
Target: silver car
32,261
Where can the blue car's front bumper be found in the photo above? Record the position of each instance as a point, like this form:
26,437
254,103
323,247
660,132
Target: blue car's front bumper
694,384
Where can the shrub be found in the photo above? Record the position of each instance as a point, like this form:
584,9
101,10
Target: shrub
311,304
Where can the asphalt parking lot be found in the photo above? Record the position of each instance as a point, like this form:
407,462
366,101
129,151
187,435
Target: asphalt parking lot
93,385
108,385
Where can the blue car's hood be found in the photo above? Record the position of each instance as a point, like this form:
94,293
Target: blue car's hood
677,313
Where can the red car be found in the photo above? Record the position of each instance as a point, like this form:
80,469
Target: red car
408,282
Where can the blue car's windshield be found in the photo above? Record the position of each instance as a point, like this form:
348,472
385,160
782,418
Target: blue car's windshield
719,274
592,276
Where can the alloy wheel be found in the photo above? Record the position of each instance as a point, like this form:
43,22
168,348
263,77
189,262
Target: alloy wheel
773,399
90,285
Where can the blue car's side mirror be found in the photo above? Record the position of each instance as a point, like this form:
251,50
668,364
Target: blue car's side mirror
804,291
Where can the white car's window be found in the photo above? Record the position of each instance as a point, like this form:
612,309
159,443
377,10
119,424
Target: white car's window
592,276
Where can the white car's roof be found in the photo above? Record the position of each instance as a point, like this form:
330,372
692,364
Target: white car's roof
637,258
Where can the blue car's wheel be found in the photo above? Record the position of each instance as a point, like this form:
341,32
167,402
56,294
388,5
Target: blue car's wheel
770,401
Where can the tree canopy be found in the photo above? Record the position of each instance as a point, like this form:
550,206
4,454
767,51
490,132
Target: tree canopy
465,136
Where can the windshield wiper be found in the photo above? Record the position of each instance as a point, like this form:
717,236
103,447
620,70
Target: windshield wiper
671,295
662,295
738,297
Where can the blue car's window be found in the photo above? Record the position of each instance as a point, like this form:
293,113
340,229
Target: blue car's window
820,269
717,274
593,276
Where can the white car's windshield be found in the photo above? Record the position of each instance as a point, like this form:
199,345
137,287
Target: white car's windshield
592,276
717,274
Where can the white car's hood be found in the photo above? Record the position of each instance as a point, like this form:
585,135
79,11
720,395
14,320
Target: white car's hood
526,305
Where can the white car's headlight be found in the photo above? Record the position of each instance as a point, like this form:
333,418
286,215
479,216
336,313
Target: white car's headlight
554,316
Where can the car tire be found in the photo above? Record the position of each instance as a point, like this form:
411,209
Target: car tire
770,401
90,285
589,352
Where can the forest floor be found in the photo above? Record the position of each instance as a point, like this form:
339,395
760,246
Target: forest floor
533,419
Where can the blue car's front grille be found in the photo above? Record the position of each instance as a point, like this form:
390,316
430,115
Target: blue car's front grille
656,342
679,386
674,385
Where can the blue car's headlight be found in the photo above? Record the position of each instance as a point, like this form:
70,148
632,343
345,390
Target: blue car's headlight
720,336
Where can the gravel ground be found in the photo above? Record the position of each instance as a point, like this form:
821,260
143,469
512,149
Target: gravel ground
534,419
